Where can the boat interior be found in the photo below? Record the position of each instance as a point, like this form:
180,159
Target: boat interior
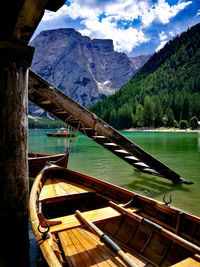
112,209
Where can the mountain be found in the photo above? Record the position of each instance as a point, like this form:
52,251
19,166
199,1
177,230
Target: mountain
87,70
165,91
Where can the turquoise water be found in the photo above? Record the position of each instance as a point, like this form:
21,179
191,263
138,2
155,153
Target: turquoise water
180,151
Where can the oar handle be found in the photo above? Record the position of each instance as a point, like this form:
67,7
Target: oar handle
89,223
106,240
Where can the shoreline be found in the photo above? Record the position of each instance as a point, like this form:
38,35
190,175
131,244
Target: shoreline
172,130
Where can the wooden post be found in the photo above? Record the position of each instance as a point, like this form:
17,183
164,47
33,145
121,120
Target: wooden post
14,186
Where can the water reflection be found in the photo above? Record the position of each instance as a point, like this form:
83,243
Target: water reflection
179,151
152,186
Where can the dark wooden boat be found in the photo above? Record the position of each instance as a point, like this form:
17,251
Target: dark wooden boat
62,134
82,221
38,161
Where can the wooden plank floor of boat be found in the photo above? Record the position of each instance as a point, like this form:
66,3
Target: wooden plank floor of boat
83,248
54,187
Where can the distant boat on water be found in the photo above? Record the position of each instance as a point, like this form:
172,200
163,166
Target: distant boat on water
62,134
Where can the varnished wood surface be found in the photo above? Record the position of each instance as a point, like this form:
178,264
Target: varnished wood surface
143,242
37,161
54,187
71,221
83,248
189,262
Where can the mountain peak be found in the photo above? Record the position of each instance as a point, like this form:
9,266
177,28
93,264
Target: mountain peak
85,69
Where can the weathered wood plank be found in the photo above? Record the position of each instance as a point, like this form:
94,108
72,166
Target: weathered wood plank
113,138
70,187
87,259
113,258
71,221
93,248
189,262
58,188
70,252
48,190
106,253
13,150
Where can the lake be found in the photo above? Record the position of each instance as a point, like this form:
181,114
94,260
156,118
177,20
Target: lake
179,151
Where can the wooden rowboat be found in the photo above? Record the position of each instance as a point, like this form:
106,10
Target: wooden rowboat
62,134
38,161
82,221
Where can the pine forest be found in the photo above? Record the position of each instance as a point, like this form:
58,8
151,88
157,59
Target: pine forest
165,92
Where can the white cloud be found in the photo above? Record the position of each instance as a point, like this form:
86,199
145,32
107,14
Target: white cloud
87,13
162,36
124,39
198,12
161,45
162,12
172,33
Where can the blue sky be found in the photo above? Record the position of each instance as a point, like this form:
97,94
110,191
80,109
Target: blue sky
137,27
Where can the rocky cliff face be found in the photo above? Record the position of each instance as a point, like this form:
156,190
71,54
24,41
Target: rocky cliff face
86,70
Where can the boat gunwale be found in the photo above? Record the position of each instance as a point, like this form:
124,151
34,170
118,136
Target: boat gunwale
43,175
45,245
44,156
122,190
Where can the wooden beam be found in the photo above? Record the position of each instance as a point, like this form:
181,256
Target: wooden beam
28,20
18,21
14,186
41,89
22,18
54,5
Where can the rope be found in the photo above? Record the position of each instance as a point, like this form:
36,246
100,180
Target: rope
66,153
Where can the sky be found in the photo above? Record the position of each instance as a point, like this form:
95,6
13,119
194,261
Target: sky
137,27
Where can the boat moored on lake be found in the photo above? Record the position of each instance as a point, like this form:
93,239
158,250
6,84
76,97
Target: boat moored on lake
83,221
62,134
37,161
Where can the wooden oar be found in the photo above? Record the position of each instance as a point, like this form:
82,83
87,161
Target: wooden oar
107,241
177,239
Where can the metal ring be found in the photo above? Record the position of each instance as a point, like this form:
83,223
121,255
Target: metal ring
46,231
167,202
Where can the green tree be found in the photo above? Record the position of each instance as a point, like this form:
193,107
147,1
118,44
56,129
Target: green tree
158,111
194,123
186,108
113,117
183,124
175,124
139,115
170,117
164,120
124,117
148,112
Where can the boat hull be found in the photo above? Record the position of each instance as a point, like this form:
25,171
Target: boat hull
61,135
38,161
148,231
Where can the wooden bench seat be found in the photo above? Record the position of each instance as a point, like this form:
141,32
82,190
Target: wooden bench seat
83,248
189,262
59,188
98,215
71,221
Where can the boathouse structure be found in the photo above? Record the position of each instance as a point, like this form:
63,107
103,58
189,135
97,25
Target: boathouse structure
19,20
16,85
